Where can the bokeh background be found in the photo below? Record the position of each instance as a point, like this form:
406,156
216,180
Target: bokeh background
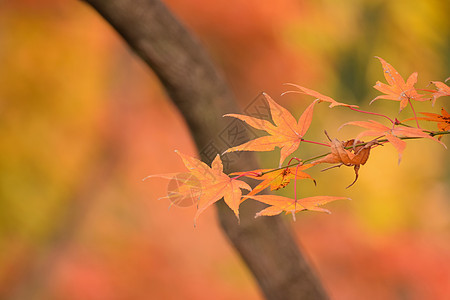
83,120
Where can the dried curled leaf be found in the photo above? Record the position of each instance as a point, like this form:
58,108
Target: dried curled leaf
348,153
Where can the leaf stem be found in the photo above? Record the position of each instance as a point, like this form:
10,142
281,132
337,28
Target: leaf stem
372,113
439,132
357,145
312,142
247,173
414,112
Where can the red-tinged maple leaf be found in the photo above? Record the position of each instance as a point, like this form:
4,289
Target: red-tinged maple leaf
322,98
397,89
442,120
215,184
278,204
275,179
393,135
441,90
286,134
347,153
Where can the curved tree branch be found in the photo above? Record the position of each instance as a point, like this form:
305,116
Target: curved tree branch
201,94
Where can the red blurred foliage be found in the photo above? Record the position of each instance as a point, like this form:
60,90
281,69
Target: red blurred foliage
247,40
358,265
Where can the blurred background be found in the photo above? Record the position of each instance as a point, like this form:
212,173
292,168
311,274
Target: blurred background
83,120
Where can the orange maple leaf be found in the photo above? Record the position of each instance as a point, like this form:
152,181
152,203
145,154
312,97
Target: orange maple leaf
215,184
397,89
322,98
183,189
278,204
442,120
353,156
286,134
275,179
441,90
393,135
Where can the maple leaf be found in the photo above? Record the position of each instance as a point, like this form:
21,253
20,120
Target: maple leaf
392,134
356,155
278,204
443,120
441,90
183,189
286,134
215,184
322,98
397,89
275,179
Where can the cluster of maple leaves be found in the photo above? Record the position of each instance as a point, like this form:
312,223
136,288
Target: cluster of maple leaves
211,184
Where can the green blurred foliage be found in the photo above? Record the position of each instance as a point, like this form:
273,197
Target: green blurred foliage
74,102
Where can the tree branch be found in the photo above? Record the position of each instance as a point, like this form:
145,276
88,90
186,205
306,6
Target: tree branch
201,94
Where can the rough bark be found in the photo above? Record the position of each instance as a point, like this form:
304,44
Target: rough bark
266,244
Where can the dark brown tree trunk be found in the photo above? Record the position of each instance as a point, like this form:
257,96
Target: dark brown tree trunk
201,94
